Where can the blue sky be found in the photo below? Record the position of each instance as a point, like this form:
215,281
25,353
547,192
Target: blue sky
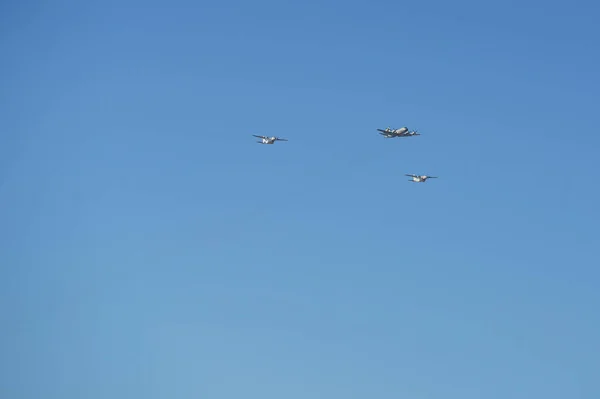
149,248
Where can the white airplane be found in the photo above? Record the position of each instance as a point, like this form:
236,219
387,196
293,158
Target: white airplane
268,140
420,179
402,132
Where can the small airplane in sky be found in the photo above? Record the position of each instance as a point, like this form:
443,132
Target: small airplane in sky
268,140
420,179
402,132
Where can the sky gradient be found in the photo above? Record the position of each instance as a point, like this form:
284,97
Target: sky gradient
149,248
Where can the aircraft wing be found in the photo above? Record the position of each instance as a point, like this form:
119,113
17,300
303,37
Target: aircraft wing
260,137
281,139
411,175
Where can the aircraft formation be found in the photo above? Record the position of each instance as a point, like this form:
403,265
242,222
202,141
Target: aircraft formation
388,133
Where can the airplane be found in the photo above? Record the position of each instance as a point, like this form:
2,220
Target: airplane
420,179
268,140
402,132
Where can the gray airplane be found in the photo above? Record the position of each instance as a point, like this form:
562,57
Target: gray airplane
402,132
268,140
420,179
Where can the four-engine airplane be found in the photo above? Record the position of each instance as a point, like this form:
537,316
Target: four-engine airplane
402,132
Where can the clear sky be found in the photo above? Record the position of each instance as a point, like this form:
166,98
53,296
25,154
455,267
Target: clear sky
149,248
